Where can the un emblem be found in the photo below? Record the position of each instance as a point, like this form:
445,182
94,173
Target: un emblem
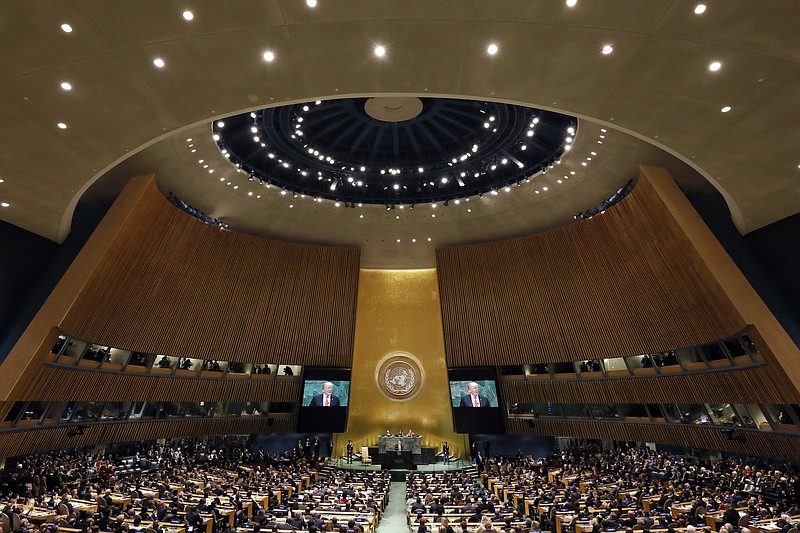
399,376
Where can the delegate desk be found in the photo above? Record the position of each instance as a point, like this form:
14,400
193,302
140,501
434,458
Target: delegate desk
387,444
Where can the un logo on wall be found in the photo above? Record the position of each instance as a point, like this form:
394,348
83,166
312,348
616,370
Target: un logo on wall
399,376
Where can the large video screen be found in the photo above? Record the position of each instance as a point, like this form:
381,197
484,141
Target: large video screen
324,399
475,400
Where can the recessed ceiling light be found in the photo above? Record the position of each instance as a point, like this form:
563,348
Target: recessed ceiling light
66,27
311,3
700,9
188,15
429,239
4,204
67,86
62,126
726,109
159,62
2,180
491,49
715,66
572,3
268,56
380,51
607,49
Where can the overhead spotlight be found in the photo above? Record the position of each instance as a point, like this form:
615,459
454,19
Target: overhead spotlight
311,3
380,51
491,49
268,56
572,3
607,49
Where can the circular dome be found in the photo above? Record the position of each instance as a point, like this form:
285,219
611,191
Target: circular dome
394,150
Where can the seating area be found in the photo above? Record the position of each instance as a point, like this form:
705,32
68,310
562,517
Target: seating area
192,489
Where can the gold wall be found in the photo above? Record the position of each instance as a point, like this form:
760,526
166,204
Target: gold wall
399,311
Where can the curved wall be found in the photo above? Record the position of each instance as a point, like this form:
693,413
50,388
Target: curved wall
625,282
637,279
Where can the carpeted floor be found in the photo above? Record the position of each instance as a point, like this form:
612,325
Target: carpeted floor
394,519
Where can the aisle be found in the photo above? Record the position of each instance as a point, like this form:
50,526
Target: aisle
394,518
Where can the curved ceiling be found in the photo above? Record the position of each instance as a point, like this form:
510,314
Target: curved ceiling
394,151
654,93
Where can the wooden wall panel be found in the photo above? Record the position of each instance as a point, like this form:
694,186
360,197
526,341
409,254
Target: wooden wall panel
756,443
622,283
172,284
757,385
87,385
38,440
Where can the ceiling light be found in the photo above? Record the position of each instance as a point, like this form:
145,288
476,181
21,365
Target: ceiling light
4,204
700,9
491,49
62,126
268,56
159,62
571,3
607,49
715,66
311,3
66,27
726,109
380,51
66,85
188,15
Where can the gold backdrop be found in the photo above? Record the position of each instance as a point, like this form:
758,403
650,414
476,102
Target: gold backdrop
399,311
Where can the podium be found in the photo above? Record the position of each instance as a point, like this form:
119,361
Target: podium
388,444
411,455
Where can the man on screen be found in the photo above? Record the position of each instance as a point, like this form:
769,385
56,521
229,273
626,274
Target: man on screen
326,399
473,398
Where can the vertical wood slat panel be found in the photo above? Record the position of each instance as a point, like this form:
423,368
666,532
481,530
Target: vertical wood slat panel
764,444
38,440
172,284
86,385
622,283
754,385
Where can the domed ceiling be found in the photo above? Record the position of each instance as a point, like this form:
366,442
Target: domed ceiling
94,92
394,150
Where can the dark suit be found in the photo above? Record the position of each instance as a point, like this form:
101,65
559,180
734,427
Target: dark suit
466,401
317,401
